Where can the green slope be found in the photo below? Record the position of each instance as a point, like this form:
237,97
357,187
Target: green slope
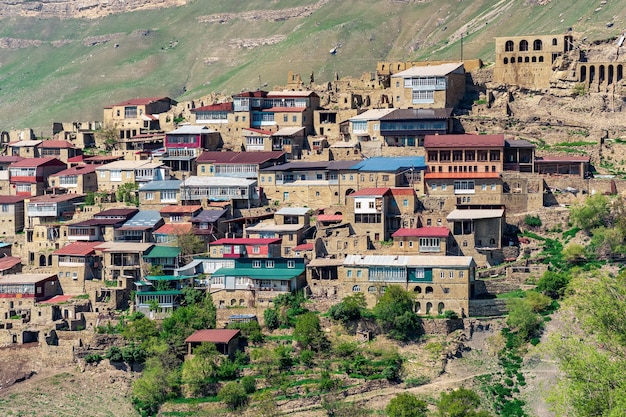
165,52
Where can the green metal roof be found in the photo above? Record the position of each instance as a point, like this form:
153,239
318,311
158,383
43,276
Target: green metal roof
261,273
169,277
163,252
155,293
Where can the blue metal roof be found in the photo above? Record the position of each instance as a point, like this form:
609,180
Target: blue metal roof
161,185
144,218
391,164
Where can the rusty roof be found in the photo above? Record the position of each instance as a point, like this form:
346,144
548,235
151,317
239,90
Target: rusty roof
422,232
78,249
364,192
213,336
217,157
464,141
174,209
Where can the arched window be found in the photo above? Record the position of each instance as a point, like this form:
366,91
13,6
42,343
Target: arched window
541,59
537,45
583,74
555,42
519,59
356,288
242,302
233,302
508,46
492,241
440,308
418,289
506,61
429,306
620,73
534,59
523,46
526,59
429,290
418,307
371,288
465,243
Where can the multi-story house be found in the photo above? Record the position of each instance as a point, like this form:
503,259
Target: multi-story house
241,192
237,164
140,228
369,213
5,162
404,171
137,116
166,257
257,140
430,86
256,282
365,127
29,177
11,216
122,259
478,232
80,179
101,227
24,148
184,145
180,214
439,283
10,265
157,194
114,174
59,149
76,263
238,247
519,156
170,232
465,153
19,292
213,115
209,224
408,127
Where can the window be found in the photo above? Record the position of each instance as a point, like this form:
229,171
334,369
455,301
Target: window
385,177
349,273
256,264
446,290
256,249
483,187
434,187
371,289
149,196
493,187
405,202
291,264
371,205
356,288
410,244
294,119
461,274
358,204
269,264
401,244
168,196
359,273
429,244
442,275
429,290
451,274
5,208
443,187
464,187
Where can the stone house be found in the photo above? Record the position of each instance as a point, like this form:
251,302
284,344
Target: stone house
408,127
5,162
235,247
237,164
456,189
122,259
430,241
140,228
11,216
439,283
291,224
29,177
170,232
464,153
19,292
167,257
138,116
184,144
80,179
157,194
478,233
10,265
76,263
369,213
239,192
24,148
210,225
112,175
179,214
431,86
59,149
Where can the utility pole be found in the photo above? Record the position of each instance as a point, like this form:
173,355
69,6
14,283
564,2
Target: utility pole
461,46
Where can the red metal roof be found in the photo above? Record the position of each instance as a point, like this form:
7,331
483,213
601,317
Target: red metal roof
102,159
77,158
258,93
460,175
304,246
58,299
54,198
239,157
260,131
56,144
402,191
464,141
10,158
117,212
246,241
329,217
77,170
11,199
78,249
215,107
180,209
36,162
422,232
370,192
173,229
8,262
213,336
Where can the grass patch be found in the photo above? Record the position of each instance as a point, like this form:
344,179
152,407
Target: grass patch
512,294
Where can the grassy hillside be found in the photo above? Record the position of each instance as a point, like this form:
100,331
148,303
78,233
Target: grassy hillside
171,52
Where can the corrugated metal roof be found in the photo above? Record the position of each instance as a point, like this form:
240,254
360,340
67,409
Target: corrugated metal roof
246,241
475,214
304,246
78,249
195,181
51,143
422,232
173,229
274,274
391,164
188,129
77,170
24,278
403,191
372,114
293,211
35,162
208,216
253,131
174,209
215,107
429,70
550,159
409,261
213,336
370,192
464,141
458,175
8,262
117,212
144,219
418,114
229,157
324,262
329,217
288,131
130,247
25,143
161,185
518,143
290,93
163,252
11,199
271,227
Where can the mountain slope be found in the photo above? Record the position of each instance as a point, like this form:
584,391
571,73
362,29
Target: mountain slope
64,69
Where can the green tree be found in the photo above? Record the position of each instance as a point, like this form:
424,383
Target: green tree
574,253
591,213
249,384
523,319
126,193
190,244
200,371
350,308
532,221
459,403
406,405
309,333
553,284
394,312
233,395
157,383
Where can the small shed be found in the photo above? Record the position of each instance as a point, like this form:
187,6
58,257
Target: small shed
226,340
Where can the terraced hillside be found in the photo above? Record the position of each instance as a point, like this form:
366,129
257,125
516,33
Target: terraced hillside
64,61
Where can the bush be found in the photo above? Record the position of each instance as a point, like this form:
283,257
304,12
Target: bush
306,358
249,384
417,381
271,319
233,395
449,314
532,221
350,308
406,405
93,358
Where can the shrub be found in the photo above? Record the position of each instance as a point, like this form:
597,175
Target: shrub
417,381
249,384
449,314
233,395
93,358
532,221
406,405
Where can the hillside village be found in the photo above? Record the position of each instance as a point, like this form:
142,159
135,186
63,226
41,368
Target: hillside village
403,177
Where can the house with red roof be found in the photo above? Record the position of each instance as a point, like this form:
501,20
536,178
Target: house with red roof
29,177
10,265
246,248
60,149
79,179
11,215
464,153
368,210
225,340
237,164
184,144
180,214
169,232
77,262
213,115
421,241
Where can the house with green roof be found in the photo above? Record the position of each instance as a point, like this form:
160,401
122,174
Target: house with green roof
167,257
256,282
